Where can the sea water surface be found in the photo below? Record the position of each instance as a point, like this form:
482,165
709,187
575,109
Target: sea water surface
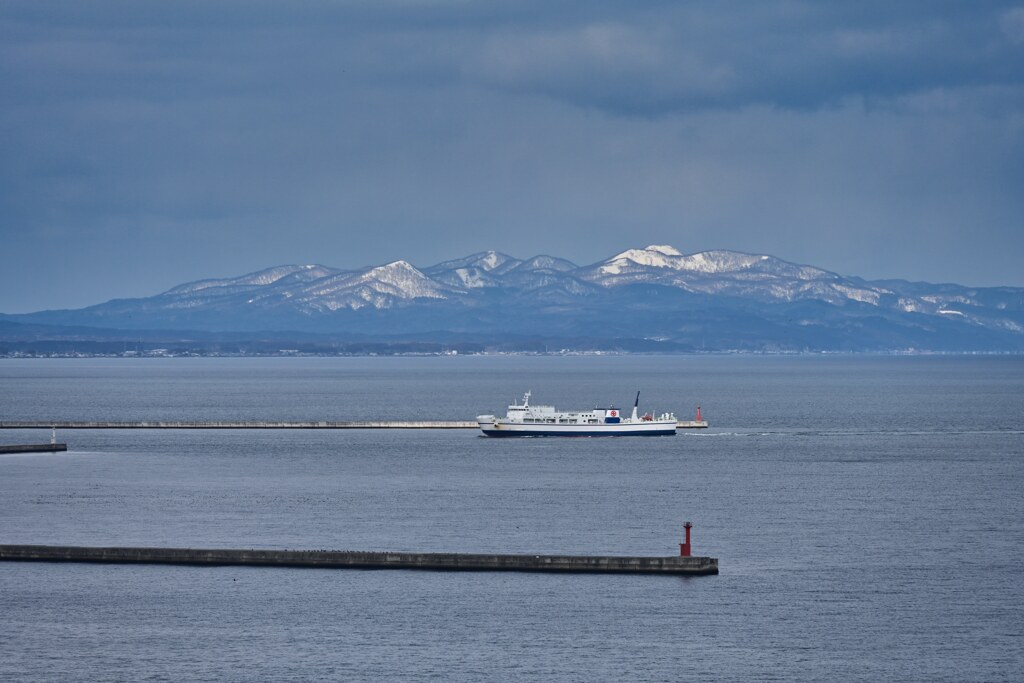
866,512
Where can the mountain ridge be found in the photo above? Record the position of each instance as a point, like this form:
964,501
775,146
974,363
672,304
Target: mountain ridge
736,299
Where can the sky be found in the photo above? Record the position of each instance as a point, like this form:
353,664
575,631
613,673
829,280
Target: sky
147,144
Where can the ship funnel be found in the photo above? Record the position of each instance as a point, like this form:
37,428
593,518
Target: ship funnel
635,404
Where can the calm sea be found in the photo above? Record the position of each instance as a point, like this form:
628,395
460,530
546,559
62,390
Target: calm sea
867,513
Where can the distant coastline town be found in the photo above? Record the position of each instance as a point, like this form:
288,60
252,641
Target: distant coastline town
431,350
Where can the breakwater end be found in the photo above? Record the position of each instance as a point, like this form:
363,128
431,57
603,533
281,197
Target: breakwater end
335,559
34,448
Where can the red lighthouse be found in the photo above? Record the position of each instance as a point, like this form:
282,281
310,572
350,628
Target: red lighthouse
684,548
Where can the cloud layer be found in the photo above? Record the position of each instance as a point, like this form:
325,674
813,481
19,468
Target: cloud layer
145,144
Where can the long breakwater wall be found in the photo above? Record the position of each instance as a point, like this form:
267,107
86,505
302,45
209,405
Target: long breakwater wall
334,559
182,424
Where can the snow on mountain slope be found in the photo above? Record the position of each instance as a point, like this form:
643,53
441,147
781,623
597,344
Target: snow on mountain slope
494,269
475,271
656,256
731,273
260,278
706,262
543,262
485,261
379,287
468,277
310,289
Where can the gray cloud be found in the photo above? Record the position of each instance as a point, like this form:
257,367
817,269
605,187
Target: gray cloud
736,54
145,144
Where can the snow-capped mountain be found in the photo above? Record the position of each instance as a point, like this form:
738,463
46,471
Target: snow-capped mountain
764,278
772,280
251,281
733,299
379,287
474,271
491,269
309,289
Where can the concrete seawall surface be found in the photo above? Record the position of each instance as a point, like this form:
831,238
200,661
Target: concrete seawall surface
332,559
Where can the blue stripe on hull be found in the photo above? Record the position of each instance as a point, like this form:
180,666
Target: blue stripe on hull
503,432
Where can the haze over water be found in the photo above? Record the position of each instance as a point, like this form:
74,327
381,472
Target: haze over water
866,513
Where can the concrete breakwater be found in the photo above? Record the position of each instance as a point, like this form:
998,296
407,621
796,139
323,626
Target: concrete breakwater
34,448
335,559
184,424
179,424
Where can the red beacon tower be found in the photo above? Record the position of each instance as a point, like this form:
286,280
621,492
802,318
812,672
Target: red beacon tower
684,548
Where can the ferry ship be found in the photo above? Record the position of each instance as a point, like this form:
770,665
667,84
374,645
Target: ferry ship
529,420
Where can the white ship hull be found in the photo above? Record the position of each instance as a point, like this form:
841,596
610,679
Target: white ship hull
527,420
503,428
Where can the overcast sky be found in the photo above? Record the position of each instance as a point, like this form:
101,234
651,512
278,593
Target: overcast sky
146,144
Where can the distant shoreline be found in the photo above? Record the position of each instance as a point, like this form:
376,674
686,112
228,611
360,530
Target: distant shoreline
493,354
